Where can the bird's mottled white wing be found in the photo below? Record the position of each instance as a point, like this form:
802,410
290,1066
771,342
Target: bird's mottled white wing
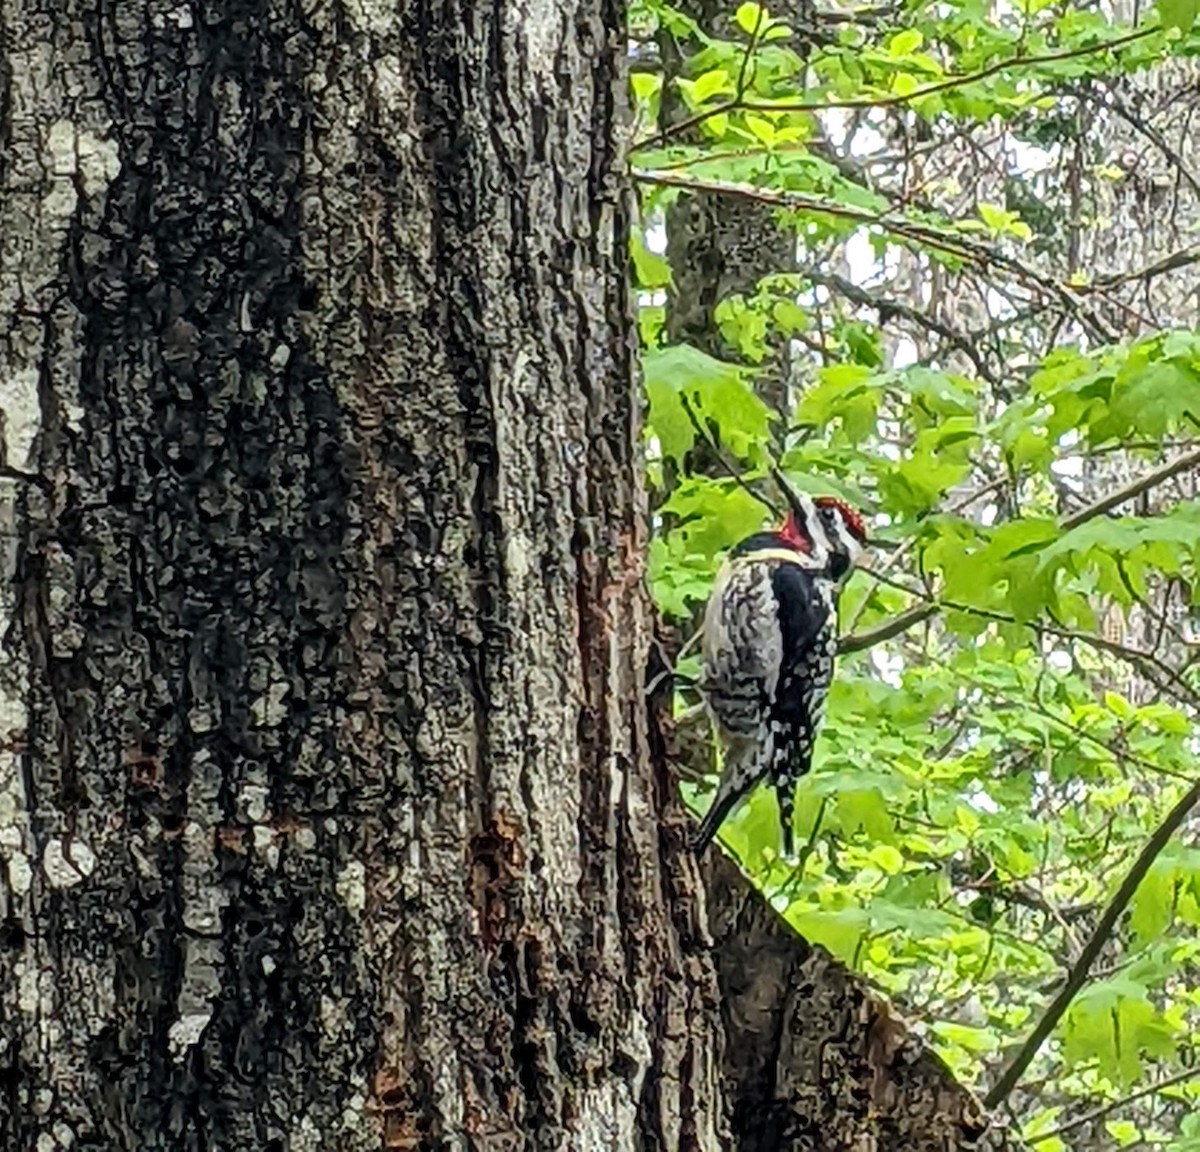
743,647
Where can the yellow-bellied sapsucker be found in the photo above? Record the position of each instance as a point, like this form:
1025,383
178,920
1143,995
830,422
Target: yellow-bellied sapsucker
770,636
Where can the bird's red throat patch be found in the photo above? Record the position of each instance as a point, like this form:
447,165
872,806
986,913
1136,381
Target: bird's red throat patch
794,536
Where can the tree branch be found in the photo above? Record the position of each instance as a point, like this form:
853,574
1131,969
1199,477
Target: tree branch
1078,975
885,306
809,1045
893,100
896,626
958,246
1134,488
856,642
1113,1105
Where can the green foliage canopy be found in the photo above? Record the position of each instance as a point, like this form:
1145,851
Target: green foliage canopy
988,775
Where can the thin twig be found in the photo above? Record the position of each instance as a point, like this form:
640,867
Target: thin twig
1184,258
744,72
1152,134
1078,975
888,307
729,469
1113,1105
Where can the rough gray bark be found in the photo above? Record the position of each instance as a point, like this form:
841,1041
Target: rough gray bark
327,812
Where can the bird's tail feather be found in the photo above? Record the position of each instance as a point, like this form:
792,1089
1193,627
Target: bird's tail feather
713,819
738,777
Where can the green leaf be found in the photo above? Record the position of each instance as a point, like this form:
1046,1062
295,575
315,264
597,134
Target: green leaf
1153,903
761,127
994,217
712,515
646,85
887,858
715,390
838,931
651,319
865,809
651,268
750,17
1179,14
667,419
705,87
973,1039
905,43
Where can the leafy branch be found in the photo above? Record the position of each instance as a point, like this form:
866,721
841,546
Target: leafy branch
1111,1106
1077,977
891,100
896,99
919,613
1146,662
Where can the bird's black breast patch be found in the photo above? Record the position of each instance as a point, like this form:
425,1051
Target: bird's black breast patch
807,667
802,611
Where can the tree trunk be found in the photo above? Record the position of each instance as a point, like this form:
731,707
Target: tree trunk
327,809
814,1060
333,817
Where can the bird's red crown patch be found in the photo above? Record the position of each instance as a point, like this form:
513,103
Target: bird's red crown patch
853,520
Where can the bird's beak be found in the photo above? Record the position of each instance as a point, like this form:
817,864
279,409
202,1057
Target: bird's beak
793,498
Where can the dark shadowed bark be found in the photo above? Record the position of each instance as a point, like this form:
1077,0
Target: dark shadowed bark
327,812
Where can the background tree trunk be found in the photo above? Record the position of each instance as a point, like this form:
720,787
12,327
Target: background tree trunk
327,811
719,248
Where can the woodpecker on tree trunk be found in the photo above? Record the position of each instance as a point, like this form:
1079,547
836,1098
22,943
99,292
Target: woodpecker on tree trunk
769,640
